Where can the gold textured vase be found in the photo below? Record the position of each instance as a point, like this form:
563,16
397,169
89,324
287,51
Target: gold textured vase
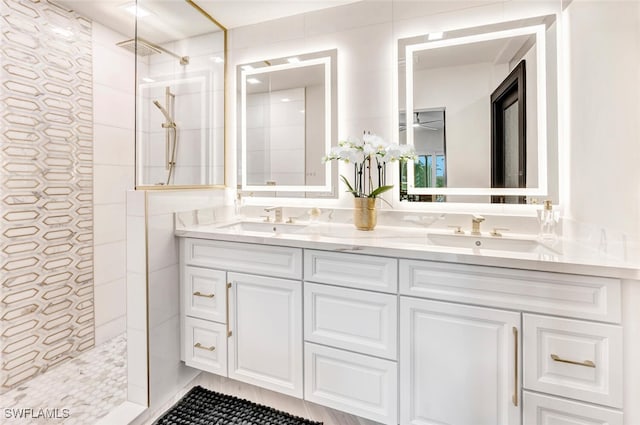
364,213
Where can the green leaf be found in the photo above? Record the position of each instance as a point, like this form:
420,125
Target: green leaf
349,187
379,191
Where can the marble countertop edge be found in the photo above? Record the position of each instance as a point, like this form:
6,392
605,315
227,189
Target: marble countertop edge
574,259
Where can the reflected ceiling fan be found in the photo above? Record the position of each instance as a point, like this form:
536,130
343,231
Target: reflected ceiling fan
421,124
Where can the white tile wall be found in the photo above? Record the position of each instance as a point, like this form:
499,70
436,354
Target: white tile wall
167,374
136,298
113,155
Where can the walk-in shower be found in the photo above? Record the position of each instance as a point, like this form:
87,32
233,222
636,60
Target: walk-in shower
171,132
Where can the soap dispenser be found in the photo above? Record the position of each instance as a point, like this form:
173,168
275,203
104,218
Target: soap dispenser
548,220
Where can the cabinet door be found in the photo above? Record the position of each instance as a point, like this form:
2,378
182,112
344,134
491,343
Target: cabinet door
265,346
459,365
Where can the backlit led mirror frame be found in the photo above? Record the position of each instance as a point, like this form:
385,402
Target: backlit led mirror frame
259,71
468,37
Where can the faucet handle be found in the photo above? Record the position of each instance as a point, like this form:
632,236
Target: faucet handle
266,218
497,231
457,229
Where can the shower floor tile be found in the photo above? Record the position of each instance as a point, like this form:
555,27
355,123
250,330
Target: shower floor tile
88,387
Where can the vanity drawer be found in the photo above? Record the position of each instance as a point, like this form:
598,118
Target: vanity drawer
354,383
205,345
352,270
583,297
545,410
574,359
352,319
204,293
277,261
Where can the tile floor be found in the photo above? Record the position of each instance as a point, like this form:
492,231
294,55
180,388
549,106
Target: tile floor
89,386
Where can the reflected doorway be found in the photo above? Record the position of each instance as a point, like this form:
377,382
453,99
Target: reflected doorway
508,136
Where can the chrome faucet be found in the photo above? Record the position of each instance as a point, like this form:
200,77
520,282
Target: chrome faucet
278,213
475,224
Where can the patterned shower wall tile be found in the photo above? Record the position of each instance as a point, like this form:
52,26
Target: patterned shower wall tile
46,190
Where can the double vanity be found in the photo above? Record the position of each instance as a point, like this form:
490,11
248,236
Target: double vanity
403,326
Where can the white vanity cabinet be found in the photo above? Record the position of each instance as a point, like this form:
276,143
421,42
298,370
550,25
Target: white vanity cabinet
406,341
241,312
466,359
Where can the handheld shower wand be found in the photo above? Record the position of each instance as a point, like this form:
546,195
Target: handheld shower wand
167,116
170,126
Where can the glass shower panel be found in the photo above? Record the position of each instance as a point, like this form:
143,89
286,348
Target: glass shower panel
180,97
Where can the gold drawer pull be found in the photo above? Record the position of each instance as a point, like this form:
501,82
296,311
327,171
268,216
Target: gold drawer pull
229,332
587,363
198,345
514,399
200,294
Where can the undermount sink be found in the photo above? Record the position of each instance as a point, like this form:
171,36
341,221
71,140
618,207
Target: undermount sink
486,242
263,227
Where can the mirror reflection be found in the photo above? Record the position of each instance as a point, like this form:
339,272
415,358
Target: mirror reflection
479,102
287,123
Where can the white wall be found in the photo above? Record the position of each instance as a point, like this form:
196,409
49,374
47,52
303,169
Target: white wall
604,112
113,147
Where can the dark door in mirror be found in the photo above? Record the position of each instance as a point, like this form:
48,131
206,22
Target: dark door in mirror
509,135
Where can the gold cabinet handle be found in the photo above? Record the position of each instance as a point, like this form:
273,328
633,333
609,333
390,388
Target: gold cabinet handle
514,399
200,294
198,345
586,363
229,333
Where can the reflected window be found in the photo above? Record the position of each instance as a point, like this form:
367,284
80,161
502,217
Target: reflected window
429,171
429,167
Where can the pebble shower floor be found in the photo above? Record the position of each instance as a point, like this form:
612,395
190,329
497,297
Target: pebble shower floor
89,386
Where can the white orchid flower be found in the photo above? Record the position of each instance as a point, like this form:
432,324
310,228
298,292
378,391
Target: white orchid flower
357,151
357,156
368,149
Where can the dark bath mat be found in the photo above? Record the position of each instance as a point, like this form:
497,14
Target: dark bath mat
203,407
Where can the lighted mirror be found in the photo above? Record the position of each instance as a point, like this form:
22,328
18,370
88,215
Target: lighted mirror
288,112
180,96
479,106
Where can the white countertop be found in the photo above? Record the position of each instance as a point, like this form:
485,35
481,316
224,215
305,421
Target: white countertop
413,243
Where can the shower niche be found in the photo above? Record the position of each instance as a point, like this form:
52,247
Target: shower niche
179,97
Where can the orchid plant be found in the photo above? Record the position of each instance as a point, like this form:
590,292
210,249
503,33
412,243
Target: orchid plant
370,156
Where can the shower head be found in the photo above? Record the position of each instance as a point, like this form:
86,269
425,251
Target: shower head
143,47
164,112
